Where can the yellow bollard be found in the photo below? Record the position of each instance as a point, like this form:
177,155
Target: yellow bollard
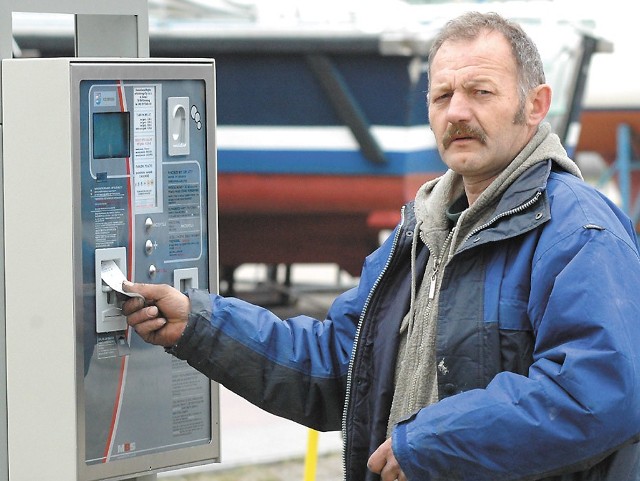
311,461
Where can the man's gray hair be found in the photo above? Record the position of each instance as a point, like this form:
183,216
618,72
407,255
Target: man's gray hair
471,24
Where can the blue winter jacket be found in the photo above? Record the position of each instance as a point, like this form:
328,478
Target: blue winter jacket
538,346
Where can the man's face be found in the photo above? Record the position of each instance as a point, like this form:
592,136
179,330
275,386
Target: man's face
473,103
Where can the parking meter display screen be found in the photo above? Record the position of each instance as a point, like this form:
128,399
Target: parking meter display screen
111,135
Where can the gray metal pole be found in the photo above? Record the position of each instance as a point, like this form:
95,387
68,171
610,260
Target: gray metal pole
104,28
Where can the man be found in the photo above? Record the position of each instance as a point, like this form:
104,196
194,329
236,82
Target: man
493,336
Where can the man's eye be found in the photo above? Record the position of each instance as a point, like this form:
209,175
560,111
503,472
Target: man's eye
442,97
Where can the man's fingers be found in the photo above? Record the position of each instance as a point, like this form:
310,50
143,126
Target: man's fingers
151,292
132,304
390,472
384,463
142,315
378,459
148,330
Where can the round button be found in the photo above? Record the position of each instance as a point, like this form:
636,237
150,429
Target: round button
152,270
449,388
148,246
148,223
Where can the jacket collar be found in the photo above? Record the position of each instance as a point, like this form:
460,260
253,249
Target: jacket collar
523,207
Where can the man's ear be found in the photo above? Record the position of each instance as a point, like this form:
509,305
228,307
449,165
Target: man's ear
539,102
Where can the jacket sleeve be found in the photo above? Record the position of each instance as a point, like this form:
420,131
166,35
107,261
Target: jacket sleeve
295,368
579,401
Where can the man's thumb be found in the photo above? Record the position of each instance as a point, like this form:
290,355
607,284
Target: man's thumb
131,288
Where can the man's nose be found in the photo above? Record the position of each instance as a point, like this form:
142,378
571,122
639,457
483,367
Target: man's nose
459,109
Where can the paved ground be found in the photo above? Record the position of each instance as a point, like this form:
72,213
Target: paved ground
328,468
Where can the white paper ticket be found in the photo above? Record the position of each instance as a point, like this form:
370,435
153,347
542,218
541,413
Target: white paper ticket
113,277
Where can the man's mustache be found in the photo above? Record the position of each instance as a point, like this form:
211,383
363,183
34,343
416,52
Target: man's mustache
460,131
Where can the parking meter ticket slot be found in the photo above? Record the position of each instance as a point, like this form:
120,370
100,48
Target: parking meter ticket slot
114,277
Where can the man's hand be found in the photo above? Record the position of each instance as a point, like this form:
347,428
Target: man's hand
161,317
384,463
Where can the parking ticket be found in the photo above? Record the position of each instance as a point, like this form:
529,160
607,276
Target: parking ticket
114,277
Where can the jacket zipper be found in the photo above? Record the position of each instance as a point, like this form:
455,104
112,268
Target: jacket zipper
438,263
433,282
355,344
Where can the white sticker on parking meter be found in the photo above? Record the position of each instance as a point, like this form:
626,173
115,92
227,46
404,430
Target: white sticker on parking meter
144,141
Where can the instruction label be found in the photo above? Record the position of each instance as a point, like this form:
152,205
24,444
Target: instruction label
184,197
144,147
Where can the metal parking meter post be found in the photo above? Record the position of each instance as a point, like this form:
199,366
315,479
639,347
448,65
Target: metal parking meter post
103,28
